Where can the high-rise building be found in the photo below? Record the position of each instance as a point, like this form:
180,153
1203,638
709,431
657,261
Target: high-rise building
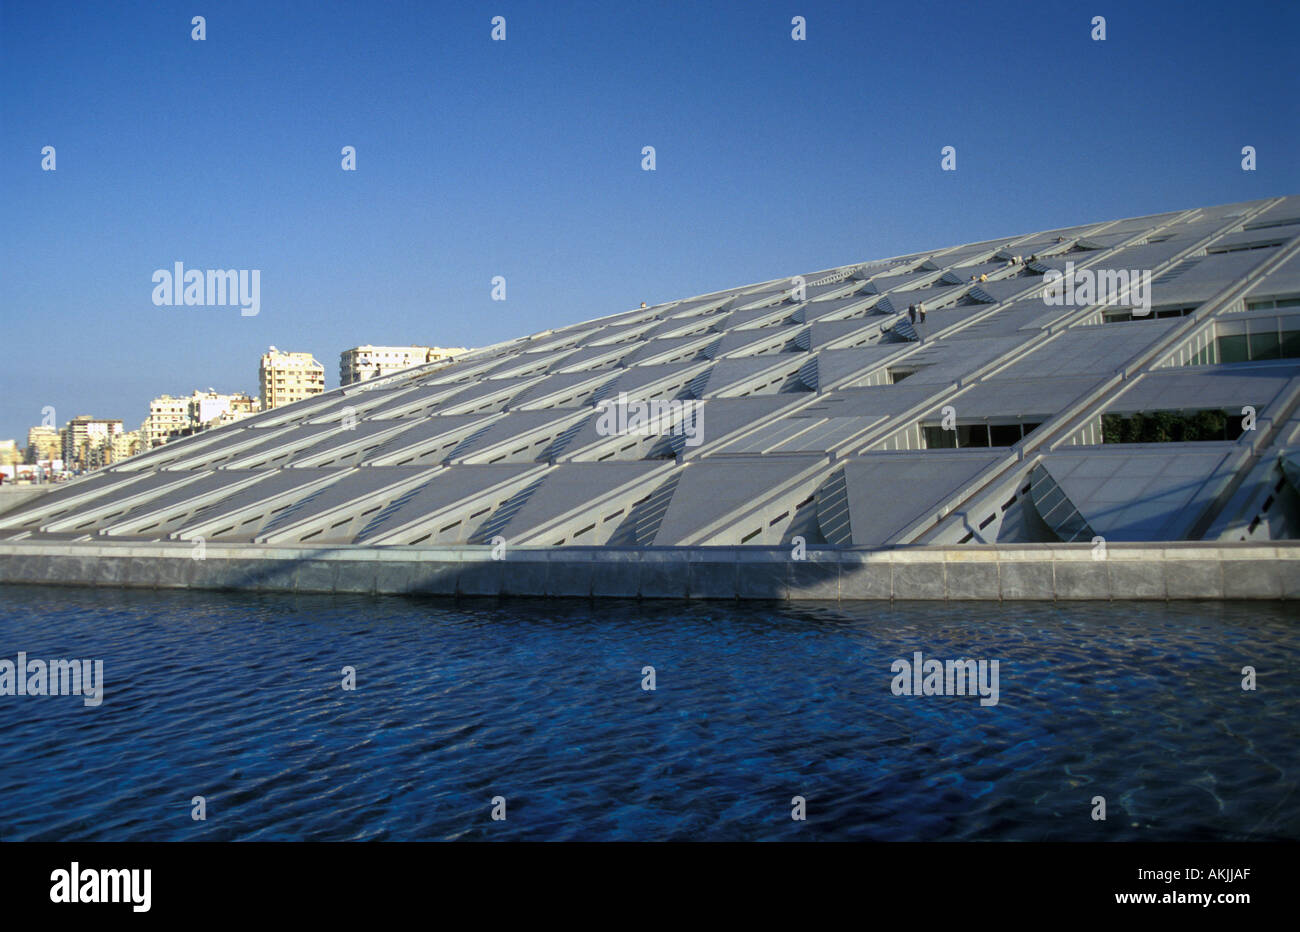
87,441
288,377
370,362
43,443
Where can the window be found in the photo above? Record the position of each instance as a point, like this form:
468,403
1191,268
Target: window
1259,345
1242,247
977,435
1004,435
1127,315
1267,224
936,438
1270,303
1170,427
1265,346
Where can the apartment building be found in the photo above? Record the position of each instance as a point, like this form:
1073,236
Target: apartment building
43,444
284,378
168,416
87,441
123,445
370,362
212,408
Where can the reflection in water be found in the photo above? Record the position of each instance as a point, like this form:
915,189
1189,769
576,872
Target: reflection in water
236,697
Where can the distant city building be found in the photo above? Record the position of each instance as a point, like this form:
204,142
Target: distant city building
208,407
9,453
168,416
87,441
288,377
171,417
370,362
43,443
240,406
123,445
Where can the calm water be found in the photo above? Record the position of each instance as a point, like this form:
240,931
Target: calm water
237,697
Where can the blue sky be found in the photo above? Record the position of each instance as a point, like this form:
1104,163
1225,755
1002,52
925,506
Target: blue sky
523,159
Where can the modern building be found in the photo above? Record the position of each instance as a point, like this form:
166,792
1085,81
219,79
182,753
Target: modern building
1112,383
371,362
10,455
284,378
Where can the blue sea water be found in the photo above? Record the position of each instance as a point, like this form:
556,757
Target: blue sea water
237,697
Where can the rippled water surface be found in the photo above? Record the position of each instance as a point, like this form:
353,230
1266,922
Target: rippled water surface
237,697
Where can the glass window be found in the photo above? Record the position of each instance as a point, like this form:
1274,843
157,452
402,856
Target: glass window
1004,435
936,438
1233,349
1265,346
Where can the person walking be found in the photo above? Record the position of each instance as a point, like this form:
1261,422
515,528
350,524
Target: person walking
911,313
920,310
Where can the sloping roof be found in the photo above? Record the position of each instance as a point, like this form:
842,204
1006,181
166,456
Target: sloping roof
769,411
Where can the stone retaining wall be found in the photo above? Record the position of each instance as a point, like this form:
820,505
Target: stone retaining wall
1128,571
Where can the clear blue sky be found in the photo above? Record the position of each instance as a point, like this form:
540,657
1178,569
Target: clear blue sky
522,158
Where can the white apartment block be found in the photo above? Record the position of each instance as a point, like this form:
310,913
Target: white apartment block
288,377
171,417
207,407
370,362
167,416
